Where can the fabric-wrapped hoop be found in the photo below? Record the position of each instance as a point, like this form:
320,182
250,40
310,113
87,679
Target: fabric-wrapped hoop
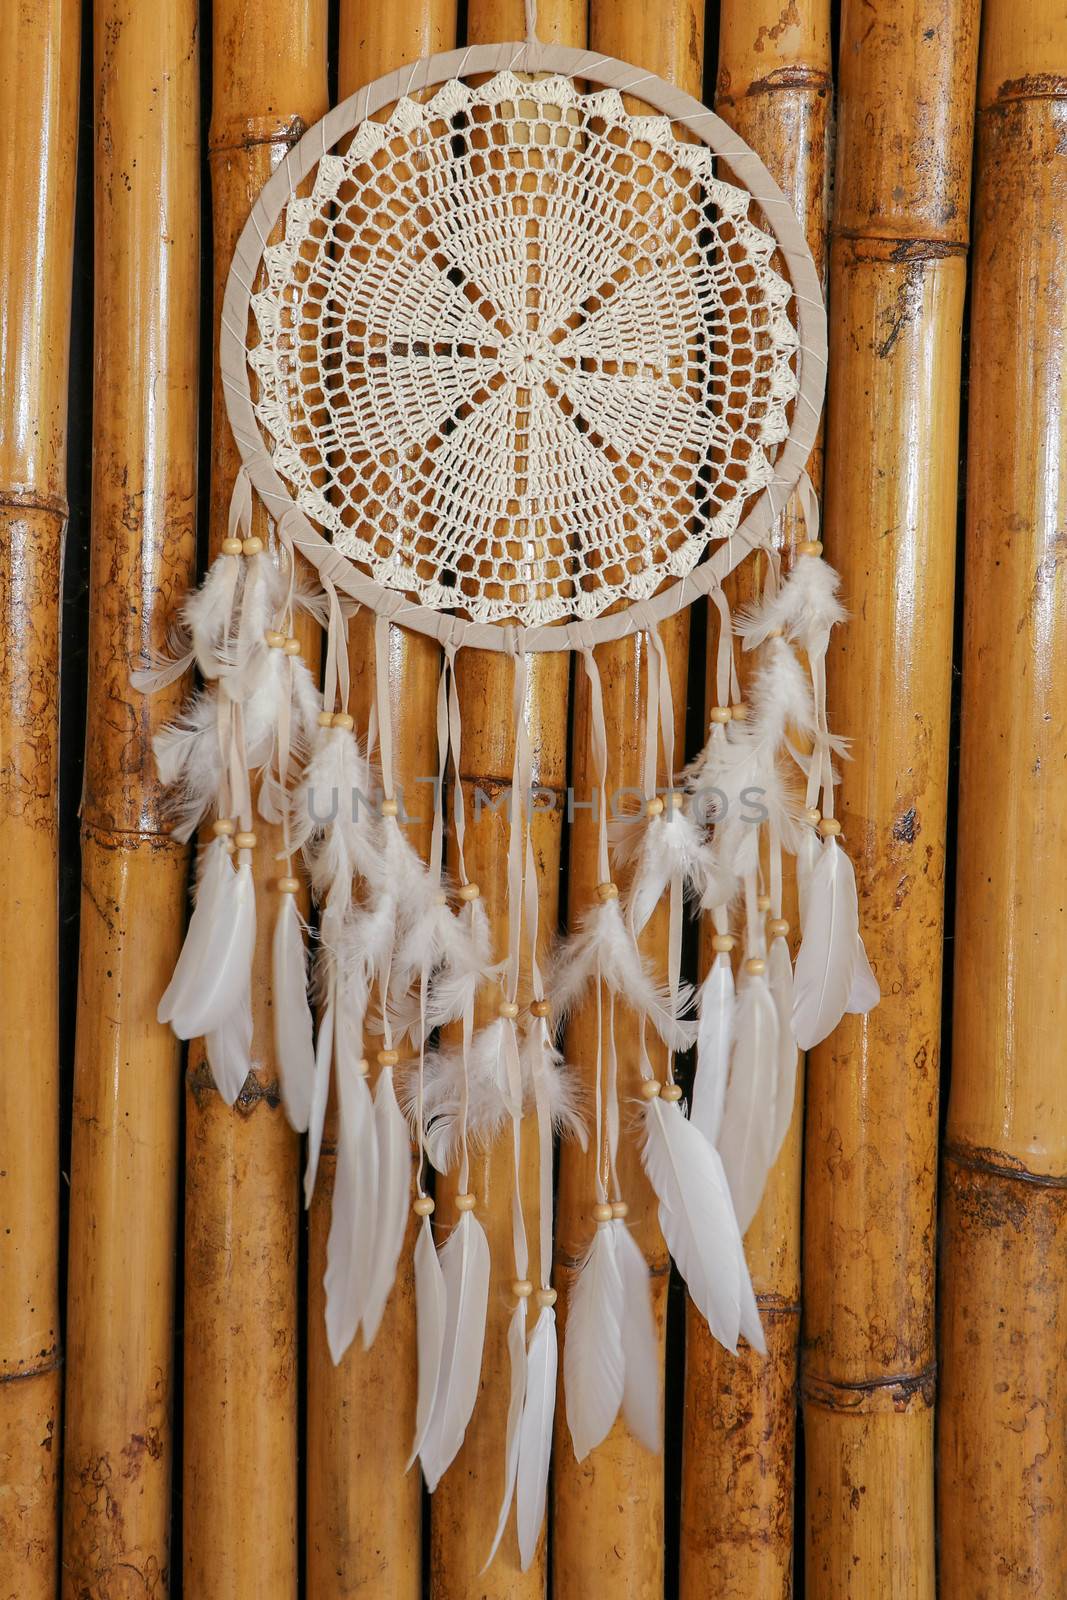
746,168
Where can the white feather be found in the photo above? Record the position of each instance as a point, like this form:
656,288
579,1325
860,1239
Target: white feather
864,992
603,943
214,868
535,1435
672,844
430,1330
642,1403
294,1038
746,1137
822,980
517,1358
716,1002
320,1094
780,984
225,940
353,1215
465,964
333,820
594,1364
695,1215
394,1189
464,1261
806,608
229,1053
565,1096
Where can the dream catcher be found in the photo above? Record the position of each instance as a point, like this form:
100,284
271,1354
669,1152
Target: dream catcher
517,369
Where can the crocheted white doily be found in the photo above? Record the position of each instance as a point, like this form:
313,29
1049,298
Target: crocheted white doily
521,353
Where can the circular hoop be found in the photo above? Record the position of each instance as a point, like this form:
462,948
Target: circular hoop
532,56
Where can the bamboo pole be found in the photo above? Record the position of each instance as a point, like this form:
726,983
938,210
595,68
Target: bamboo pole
774,87
897,281
241,1204
123,1214
1001,1451
465,1507
364,1510
609,1510
39,108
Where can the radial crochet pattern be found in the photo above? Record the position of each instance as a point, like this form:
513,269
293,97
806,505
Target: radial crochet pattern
521,353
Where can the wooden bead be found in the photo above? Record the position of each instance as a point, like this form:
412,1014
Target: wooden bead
756,966
423,1206
465,1202
619,1210
390,808
292,648
546,1297
671,1092
245,841
829,827
813,815
288,885
763,903
231,547
602,1212
252,546
720,714
810,547
607,891
342,719
362,1067
653,807
388,1058
650,1088
325,719
468,891
540,1008
778,927
274,639
223,827
722,943
522,1288
507,1008
739,713
678,798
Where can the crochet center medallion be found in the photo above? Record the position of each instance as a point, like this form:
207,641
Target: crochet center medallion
522,353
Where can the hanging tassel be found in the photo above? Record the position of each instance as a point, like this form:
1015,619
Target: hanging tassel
535,1435
353,1217
464,1259
394,1189
697,1218
430,1317
831,956
594,1362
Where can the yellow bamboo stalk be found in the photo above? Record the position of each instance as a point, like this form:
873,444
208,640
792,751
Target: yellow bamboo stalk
123,1213
39,108
897,280
609,1510
466,1504
364,1511
1001,1457
240,1411
774,87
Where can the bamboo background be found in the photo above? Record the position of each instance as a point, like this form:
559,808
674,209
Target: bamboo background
170,1419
